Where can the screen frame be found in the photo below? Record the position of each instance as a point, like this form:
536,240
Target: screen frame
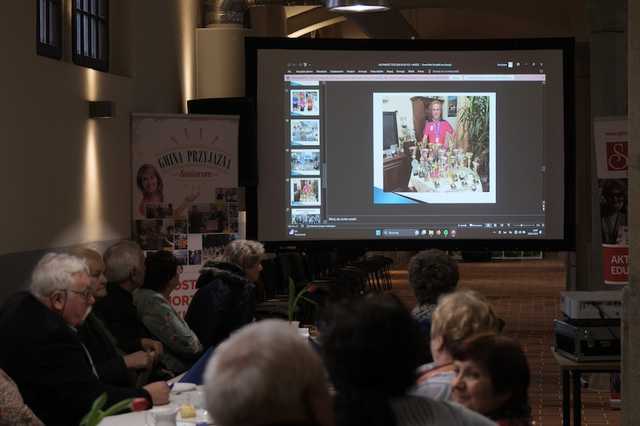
565,45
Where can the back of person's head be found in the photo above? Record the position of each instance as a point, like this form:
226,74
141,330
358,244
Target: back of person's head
372,347
243,253
506,364
160,269
266,373
432,273
54,272
123,259
460,315
89,255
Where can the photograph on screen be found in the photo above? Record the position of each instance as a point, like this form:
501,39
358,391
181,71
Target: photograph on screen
182,256
305,132
305,162
434,147
154,234
305,216
305,192
181,241
305,102
158,211
213,246
207,217
304,82
233,210
228,195
181,227
613,211
195,257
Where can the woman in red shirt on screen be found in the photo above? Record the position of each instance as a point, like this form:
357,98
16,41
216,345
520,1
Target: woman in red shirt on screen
435,130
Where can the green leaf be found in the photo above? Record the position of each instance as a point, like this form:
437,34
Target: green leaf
118,407
313,302
94,416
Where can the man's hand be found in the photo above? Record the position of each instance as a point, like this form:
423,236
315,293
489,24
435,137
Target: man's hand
150,345
159,392
140,360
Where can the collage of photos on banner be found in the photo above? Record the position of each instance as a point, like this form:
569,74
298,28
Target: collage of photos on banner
436,147
197,238
304,155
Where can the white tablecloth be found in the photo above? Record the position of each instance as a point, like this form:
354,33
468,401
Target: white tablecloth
140,418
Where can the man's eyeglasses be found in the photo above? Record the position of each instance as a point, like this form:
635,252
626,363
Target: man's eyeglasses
86,293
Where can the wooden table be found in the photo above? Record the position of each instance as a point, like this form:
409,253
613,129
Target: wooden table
572,371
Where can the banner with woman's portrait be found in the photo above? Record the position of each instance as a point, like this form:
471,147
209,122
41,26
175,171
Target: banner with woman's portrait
184,186
610,136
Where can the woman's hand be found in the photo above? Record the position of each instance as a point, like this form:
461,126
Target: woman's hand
140,360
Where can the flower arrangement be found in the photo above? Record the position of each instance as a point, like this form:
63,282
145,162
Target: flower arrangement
95,416
294,297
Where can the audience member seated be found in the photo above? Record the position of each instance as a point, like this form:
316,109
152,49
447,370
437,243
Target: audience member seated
458,316
432,273
181,345
225,299
43,353
124,262
493,379
13,411
112,365
266,374
372,348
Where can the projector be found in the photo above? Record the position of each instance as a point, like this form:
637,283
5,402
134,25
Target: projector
587,343
591,305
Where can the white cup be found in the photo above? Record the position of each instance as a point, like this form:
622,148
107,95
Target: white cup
196,398
161,416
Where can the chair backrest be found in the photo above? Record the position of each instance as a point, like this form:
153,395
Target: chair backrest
352,280
271,277
293,266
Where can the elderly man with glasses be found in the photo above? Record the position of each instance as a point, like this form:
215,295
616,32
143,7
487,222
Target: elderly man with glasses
42,352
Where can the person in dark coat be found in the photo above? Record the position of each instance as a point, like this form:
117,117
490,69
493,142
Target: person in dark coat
124,263
432,273
42,352
225,298
112,365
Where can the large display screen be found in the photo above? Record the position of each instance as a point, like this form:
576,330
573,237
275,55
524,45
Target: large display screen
465,141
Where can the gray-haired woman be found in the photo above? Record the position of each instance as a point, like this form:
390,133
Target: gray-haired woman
225,299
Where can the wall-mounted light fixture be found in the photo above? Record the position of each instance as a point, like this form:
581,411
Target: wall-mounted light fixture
101,109
358,5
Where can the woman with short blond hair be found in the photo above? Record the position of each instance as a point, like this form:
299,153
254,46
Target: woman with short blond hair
226,295
458,316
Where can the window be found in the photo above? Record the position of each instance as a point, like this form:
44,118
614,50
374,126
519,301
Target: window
49,28
91,33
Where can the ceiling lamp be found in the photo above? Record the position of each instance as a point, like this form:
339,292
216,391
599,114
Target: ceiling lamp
358,5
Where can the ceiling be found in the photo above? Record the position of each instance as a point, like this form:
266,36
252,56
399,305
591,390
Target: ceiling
447,19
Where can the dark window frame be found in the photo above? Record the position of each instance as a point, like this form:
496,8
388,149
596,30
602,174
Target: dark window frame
49,28
90,18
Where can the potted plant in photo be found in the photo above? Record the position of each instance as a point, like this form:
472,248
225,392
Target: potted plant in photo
474,119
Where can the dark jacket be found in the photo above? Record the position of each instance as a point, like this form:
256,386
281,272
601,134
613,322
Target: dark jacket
119,314
102,346
45,358
225,301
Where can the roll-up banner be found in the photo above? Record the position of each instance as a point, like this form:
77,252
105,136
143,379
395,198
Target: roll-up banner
185,190
611,140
